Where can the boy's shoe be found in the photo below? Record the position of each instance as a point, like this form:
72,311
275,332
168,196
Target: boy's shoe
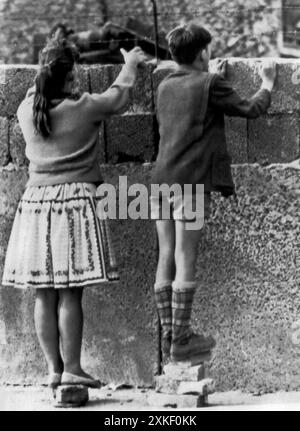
194,345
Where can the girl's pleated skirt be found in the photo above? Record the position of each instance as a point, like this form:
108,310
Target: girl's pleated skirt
58,240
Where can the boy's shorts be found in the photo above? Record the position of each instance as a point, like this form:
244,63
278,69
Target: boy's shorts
176,209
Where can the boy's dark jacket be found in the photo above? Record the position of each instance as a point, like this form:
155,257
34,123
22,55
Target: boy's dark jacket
190,112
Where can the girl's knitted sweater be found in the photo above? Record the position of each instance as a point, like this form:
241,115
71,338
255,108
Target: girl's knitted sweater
69,154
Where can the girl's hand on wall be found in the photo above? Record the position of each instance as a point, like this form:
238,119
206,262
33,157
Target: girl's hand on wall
134,57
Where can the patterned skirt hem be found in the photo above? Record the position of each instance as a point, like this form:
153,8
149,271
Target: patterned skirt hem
89,283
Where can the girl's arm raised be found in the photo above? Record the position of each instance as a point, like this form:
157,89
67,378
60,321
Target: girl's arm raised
116,97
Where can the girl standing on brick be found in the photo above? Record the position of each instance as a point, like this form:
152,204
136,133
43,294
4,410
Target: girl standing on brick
58,245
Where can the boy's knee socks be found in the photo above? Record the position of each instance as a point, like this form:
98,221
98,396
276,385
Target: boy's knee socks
163,298
182,303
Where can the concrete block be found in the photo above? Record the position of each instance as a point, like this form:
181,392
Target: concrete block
83,76
4,148
102,76
15,82
12,184
202,388
190,374
274,139
244,75
130,138
71,396
17,144
175,401
237,140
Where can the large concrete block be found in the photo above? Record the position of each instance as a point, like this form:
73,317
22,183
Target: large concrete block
12,184
130,138
237,139
244,75
17,143
274,139
248,275
15,82
101,77
120,323
4,149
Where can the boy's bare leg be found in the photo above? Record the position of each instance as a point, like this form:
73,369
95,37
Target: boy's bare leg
46,325
185,343
166,240
164,277
186,252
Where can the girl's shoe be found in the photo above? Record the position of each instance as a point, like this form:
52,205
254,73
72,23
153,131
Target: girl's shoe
73,379
54,380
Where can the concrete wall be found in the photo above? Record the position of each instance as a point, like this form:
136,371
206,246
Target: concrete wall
249,260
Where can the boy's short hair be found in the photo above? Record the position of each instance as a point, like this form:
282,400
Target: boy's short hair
186,41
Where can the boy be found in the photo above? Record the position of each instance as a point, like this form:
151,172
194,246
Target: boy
191,105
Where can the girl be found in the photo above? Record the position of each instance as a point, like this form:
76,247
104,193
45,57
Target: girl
57,244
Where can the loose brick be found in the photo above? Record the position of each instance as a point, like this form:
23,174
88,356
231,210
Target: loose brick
197,360
71,396
4,149
130,138
166,384
169,385
14,83
17,144
273,139
175,401
101,77
237,142
203,388
189,374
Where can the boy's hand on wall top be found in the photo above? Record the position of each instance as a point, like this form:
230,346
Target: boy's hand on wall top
134,57
268,73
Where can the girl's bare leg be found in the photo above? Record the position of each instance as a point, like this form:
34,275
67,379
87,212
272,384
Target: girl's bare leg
46,325
70,318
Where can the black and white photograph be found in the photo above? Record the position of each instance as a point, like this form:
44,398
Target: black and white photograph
149,208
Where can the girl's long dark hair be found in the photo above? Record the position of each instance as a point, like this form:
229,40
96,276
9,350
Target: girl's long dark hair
56,61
